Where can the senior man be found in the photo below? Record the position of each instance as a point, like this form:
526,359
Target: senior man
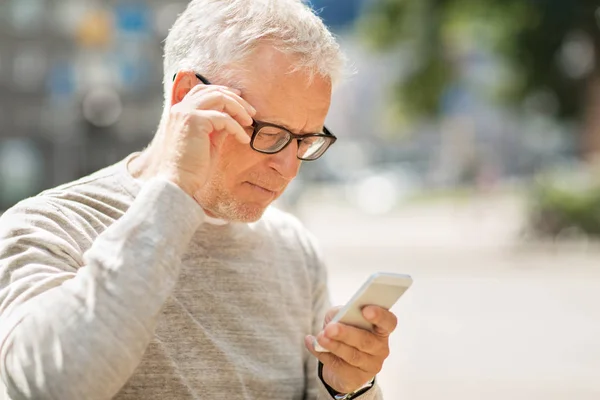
167,275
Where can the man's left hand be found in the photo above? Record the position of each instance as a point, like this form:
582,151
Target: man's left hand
356,355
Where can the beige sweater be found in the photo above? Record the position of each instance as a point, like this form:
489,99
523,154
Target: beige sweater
112,290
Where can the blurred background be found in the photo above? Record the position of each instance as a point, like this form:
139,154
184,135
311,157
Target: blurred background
467,158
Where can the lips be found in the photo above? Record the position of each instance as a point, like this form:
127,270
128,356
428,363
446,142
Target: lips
268,189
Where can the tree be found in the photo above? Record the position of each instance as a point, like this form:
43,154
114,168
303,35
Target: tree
550,47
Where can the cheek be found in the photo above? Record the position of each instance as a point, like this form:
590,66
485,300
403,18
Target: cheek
232,146
235,157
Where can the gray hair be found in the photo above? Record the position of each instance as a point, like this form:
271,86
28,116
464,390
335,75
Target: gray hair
211,35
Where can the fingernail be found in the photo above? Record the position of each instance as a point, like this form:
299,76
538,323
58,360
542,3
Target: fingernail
334,331
370,313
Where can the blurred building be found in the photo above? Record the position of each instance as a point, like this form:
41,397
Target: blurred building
80,86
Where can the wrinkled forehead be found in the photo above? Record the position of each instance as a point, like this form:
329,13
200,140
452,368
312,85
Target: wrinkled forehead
278,89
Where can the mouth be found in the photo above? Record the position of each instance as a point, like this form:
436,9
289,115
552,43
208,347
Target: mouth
262,189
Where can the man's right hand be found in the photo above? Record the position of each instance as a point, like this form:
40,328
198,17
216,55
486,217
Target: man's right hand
195,130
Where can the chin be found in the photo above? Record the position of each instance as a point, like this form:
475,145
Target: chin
239,212
234,206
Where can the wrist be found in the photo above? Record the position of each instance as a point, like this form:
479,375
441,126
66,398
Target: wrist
345,396
184,184
354,394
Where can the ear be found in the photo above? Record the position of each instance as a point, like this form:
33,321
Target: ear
183,82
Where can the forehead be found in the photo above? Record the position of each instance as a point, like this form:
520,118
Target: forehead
283,95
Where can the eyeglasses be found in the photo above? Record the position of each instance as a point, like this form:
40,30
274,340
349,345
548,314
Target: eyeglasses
270,138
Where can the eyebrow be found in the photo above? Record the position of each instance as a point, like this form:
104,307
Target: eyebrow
278,122
284,125
274,121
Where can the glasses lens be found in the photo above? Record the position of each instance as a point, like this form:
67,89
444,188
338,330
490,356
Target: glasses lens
313,147
271,139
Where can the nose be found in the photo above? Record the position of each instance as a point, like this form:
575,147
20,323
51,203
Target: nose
286,161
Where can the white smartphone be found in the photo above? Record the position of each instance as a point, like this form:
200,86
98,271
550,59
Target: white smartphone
382,289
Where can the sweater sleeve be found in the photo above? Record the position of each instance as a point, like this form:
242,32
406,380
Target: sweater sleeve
77,328
321,303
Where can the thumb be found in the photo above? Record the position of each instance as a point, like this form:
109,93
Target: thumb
330,314
217,138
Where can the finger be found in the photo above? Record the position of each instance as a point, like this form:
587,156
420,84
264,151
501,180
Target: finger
385,322
222,122
219,101
218,87
330,314
354,377
218,138
200,87
364,361
235,94
309,343
361,339
329,359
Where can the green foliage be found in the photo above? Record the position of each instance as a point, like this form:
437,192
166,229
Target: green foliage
384,24
565,203
529,35
421,92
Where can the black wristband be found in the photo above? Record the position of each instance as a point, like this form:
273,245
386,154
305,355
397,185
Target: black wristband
331,390
334,392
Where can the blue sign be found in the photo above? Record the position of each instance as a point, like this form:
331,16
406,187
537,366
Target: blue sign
338,13
133,18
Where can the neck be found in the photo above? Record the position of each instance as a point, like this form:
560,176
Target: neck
141,166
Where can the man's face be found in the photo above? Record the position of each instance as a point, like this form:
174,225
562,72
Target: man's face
245,181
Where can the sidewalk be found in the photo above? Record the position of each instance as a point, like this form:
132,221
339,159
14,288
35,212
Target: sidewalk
485,318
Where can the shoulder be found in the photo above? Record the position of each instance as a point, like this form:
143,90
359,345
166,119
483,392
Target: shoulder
106,190
36,229
75,212
290,229
35,212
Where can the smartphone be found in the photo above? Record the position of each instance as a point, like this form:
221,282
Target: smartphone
382,289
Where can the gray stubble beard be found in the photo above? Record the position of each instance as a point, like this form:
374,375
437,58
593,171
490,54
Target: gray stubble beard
224,206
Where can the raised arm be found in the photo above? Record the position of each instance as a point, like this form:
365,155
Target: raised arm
74,327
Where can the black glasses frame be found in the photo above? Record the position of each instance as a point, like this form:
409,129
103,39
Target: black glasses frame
258,125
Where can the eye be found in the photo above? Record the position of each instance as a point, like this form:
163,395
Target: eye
270,139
